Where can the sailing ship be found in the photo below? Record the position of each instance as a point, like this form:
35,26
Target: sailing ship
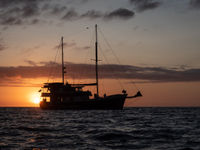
61,95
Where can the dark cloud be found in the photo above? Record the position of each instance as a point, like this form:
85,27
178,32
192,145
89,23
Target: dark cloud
49,63
92,14
30,12
57,10
85,47
66,44
195,4
121,13
79,48
9,3
18,12
9,20
30,62
151,74
70,15
1,47
142,5
72,45
34,21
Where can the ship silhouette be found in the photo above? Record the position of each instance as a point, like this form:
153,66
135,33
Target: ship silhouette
61,95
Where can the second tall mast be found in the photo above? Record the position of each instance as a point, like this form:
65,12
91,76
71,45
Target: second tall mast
96,60
63,67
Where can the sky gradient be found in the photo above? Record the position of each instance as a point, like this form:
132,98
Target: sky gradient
153,43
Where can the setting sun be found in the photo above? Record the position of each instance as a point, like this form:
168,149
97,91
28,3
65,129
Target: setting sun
35,98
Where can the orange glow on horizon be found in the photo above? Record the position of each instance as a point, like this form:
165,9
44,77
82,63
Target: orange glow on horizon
154,94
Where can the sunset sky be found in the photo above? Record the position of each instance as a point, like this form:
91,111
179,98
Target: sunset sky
153,43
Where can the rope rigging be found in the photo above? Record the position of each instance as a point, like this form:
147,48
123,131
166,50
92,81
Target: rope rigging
118,61
51,71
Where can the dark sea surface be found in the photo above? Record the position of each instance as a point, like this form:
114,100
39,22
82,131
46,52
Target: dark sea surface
131,128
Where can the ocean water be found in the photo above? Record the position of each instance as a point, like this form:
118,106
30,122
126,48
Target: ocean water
131,128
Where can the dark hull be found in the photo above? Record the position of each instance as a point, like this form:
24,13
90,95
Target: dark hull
113,102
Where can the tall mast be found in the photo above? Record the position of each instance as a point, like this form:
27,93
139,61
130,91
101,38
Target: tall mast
63,68
96,60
